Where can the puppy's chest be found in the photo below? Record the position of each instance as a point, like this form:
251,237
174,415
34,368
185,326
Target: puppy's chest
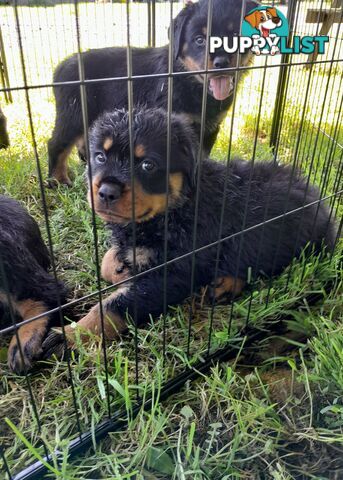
214,116
150,245
187,95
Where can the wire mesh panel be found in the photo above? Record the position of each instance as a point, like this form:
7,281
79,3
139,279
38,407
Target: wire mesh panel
286,109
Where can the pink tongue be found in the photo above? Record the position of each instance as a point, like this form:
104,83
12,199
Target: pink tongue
221,87
265,32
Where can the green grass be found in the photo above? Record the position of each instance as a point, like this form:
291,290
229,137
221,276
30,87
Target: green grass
275,412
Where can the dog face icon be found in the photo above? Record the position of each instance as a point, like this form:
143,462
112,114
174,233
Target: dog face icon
264,20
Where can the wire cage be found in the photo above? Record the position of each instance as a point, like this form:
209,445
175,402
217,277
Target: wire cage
288,106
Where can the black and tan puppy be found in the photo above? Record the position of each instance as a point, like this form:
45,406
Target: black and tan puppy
190,27
269,190
26,289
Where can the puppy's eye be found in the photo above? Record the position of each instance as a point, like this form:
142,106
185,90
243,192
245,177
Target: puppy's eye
100,158
148,166
200,40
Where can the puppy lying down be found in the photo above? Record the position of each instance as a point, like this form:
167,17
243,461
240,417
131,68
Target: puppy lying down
262,193
27,290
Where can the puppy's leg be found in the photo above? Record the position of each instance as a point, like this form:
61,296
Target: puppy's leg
112,269
226,288
58,163
145,297
81,149
60,145
114,324
30,336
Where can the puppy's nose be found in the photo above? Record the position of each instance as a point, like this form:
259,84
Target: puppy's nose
276,20
109,192
220,62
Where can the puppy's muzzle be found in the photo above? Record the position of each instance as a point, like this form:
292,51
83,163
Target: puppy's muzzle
109,193
221,62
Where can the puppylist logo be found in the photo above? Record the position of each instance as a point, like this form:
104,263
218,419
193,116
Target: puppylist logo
265,31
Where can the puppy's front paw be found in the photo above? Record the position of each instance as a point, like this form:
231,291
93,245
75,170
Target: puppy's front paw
31,350
54,182
55,343
112,269
225,289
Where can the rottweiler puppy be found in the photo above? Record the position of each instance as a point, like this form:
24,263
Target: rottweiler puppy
262,213
26,288
189,48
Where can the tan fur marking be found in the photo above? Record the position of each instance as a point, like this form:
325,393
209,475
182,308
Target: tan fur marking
147,205
191,64
95,188
210,65
60,172
204,31
30,335
80,142
139,151
108,143
114,324
184,49
176,182
227,285
3,298
109,266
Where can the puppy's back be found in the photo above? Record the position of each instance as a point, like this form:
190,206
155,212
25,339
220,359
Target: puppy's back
279,212
18,228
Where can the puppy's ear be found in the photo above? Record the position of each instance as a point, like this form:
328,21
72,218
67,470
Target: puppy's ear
189,144
179,26
252,19
191,151
272,11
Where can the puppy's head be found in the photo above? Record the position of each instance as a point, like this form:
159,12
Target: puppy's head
264,20
190,34
112,178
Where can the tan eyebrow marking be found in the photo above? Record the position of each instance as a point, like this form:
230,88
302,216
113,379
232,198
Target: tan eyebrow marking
108,143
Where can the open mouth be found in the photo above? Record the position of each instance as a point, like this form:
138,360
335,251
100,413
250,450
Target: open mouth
265,32
221,87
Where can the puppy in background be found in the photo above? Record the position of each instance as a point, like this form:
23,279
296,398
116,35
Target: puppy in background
189,51
26,288
270,190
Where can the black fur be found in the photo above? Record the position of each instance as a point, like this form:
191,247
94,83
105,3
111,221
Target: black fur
4,140
24,263
266,182
111,63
